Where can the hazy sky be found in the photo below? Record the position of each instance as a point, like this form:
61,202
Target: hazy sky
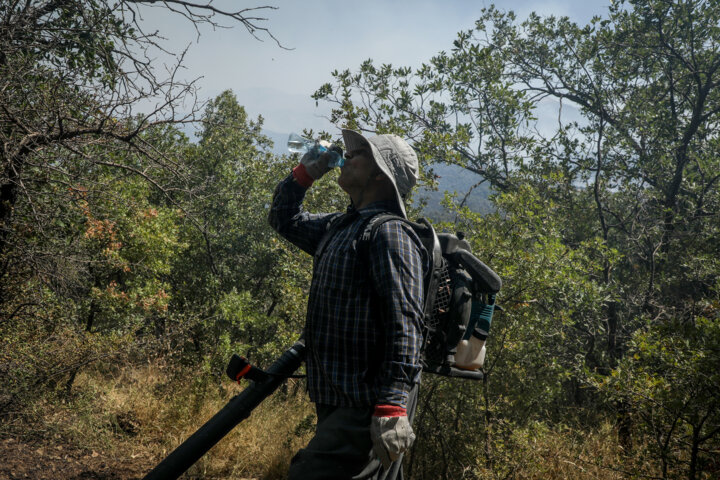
326,35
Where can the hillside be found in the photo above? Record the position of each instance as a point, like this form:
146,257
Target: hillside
454,179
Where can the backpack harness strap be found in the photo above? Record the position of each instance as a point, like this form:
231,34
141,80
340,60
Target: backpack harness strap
429,240
337,222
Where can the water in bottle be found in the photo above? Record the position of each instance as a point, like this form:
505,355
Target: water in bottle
298,144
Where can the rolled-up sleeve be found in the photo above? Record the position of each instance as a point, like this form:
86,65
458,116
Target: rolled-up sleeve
396,265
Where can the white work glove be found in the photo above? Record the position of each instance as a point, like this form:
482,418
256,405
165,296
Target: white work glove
391,433
316,164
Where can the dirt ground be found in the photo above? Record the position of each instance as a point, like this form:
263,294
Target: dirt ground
55,462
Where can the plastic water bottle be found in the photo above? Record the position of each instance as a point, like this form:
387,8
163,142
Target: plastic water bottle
298,144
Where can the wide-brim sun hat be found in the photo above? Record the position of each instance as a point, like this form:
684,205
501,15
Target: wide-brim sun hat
393,156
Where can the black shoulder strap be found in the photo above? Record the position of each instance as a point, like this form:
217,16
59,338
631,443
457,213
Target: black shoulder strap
330,228
368,231
428,238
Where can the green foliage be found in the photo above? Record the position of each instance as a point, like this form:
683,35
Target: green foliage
671,382
459,109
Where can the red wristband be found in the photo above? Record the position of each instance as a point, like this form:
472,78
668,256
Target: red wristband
301,176
389,411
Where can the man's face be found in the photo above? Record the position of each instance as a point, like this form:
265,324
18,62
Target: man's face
358,169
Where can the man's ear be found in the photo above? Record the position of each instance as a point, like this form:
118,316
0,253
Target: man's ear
386,184
379,174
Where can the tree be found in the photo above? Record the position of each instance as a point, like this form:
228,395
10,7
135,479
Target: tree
228,279
75,78
460,108
670,378
92,178
236,284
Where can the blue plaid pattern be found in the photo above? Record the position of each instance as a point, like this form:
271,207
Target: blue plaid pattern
364,317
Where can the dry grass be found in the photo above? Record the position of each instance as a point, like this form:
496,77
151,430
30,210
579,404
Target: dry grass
141,415
539,453
138,415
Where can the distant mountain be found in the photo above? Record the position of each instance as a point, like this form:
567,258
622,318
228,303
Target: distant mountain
455,179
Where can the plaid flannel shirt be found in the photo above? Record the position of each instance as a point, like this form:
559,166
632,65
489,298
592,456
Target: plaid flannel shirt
364,318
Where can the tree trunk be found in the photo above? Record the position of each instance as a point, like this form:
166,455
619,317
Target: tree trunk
486,400
694,451
91,316
624,427
8,198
